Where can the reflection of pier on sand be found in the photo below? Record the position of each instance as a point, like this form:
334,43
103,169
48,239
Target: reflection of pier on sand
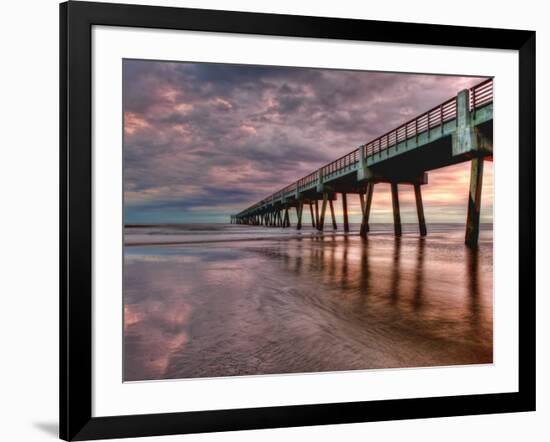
398,277
311,304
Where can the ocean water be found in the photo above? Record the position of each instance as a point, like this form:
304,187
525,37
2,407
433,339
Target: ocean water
207,300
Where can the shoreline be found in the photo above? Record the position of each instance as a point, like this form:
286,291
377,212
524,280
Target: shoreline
277,236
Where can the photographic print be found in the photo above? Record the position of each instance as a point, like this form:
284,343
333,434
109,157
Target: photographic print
284,220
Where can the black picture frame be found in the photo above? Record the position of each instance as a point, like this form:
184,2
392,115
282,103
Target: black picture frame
76,21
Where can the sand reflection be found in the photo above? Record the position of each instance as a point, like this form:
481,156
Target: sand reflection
309,304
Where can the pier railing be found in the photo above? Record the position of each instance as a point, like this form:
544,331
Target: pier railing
434,117
480,95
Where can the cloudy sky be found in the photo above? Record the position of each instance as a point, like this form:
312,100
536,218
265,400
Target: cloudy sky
204,141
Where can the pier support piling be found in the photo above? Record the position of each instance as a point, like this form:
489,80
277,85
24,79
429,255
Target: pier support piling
420,210
334,226
345,209
299,211
321,224
396,212
312,215
317,213
474,202
365,206
286,218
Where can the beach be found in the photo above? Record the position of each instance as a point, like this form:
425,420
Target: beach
234,300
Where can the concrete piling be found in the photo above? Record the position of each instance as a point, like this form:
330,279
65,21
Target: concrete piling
317,213
420,210
345,210
334,226
323,211
299,211
474,202
366,209
396,212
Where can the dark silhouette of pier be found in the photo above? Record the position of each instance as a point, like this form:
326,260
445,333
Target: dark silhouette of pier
458,130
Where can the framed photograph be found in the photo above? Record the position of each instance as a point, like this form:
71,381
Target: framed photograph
272,221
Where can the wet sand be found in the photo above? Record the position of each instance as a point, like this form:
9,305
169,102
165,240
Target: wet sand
307,304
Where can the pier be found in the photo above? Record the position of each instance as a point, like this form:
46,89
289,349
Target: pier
458,130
